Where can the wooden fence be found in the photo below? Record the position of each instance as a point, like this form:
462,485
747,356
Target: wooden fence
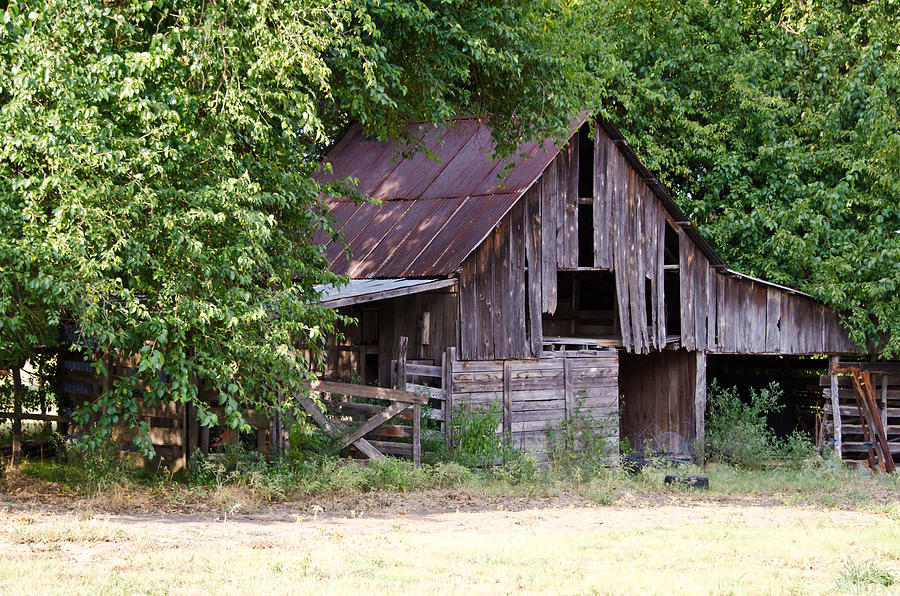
537,396
858,411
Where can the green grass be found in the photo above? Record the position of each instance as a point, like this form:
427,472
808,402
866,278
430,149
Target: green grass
257,482
671,550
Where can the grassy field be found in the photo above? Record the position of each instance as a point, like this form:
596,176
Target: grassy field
798,530
700,549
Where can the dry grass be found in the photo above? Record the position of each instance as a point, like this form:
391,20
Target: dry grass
703,549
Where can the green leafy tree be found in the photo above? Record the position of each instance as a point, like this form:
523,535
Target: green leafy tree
158,163
777,126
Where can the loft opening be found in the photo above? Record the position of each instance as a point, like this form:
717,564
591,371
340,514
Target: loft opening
586,306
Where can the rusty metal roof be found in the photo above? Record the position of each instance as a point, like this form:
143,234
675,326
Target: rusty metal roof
433,213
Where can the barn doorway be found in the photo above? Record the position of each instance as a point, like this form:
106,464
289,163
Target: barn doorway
798,377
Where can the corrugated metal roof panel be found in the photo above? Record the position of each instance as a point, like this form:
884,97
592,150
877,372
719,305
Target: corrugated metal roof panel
458,199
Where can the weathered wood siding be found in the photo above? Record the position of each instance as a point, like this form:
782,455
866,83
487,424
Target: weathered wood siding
501,315
537,396
658,410
377,330
726,314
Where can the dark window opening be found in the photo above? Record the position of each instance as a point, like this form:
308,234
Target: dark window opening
371,377
586,160
597,291
648,300
672,249
585,235
673,303
563,285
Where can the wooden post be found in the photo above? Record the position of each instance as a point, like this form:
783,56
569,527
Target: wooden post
700,408
448,396
884,401
17,415
417,409
568,388
835,406
507,399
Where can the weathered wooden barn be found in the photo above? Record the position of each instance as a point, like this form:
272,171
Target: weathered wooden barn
564,283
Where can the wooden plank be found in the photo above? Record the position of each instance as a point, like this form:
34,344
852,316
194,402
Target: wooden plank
638,306
686,266
660,289
833,364
365,391
620,248
507,398
532,203
502,286
484,276
389,447
548,238
463,366
516,316
773,320
430,286
569,389
789,331
423,370
373,423
431,392
317,415
711,309
698,274
469,324
602,202
568,256
700,407
39,417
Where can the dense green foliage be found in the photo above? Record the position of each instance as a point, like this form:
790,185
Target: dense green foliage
777,127
738,433
157,163
158,158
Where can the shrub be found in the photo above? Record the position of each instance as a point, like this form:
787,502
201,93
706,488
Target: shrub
578,448
737,431
476,443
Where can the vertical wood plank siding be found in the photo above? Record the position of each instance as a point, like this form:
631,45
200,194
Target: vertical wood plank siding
719,313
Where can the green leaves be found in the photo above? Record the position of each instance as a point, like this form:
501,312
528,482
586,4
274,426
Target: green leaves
778,129
157,161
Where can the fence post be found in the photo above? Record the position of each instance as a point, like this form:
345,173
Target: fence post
17,415
417,409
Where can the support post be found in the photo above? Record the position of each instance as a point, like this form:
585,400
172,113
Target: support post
507,400
835,406
17,415
700,408
884,401
416,409
448,397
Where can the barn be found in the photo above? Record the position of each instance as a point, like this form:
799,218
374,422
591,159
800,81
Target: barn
570,284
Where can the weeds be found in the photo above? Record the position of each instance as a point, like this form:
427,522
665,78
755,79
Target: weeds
860,575
579,447
737,431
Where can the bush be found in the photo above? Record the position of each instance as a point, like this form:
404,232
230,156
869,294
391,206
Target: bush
476,443
737,431
578,448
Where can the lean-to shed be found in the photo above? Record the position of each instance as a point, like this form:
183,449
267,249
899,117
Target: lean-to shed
564,283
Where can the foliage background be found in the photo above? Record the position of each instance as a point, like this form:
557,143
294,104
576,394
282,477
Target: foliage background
158,161
777,127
